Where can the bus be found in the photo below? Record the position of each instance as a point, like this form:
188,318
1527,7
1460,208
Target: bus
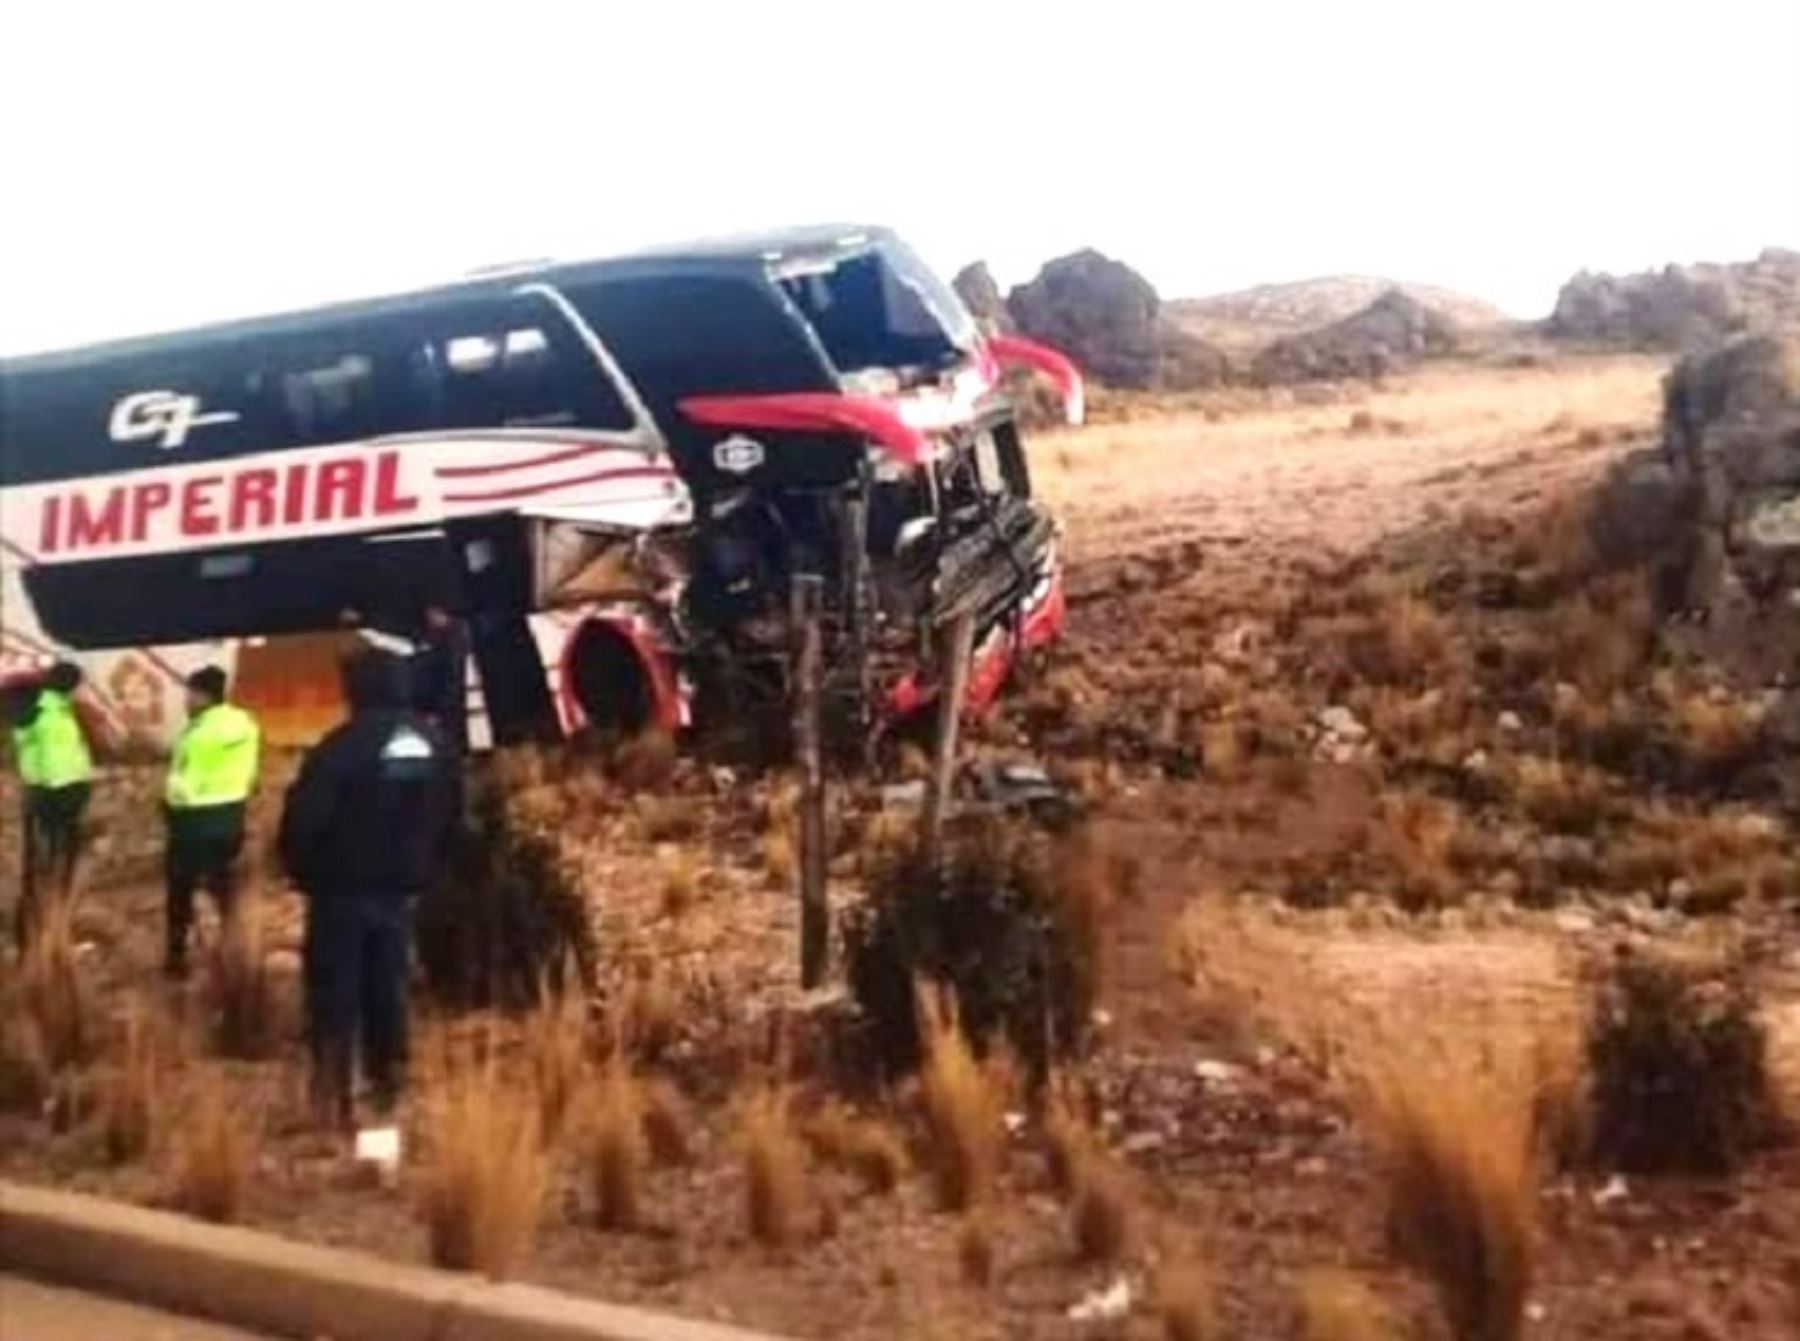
613,471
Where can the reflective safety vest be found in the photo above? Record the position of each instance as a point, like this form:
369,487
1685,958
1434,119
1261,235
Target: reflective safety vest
52,748
215,760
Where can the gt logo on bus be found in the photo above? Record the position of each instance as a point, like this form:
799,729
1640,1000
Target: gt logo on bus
165,416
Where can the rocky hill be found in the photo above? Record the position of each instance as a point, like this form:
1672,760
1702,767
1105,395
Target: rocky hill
1681,307
1250,319
1390,333
1109,319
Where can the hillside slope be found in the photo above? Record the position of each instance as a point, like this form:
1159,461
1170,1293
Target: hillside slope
1252,318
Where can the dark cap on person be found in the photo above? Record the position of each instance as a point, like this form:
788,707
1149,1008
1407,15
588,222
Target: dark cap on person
208,680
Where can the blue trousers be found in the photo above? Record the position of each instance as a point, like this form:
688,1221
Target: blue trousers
357,952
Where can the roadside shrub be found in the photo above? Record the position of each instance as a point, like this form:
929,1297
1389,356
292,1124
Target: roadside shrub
512,917
488,1173
1009,922
1678,1071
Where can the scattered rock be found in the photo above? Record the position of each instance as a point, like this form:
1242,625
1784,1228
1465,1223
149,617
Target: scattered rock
1393,332
1105,1304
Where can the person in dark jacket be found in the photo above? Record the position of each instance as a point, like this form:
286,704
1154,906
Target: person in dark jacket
440,673
363,834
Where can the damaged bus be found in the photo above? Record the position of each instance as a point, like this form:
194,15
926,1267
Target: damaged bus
618,472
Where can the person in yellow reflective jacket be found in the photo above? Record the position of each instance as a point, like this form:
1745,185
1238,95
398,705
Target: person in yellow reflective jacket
211,775
56,769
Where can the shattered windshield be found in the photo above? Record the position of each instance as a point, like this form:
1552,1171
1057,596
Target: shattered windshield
876,309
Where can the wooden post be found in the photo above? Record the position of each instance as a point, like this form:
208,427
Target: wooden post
809,673
958,642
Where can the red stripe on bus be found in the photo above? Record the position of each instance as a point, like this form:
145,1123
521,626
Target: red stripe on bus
500,468
525,490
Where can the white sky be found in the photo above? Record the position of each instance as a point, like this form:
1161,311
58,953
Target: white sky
165,163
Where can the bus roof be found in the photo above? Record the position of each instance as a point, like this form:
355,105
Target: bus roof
747,254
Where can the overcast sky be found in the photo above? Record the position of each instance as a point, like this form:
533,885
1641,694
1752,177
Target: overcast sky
165,163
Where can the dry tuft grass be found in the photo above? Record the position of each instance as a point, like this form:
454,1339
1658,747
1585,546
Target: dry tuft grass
1560,795
778,856
556,1046
1335,1306
214,1152
247,1024
776,1190
976,1253
59,1019
650,1017
1068,1136
681,887
646,762
962,1105
618,1150
1185,1304
489,1173
1462,1186
1103,1213
668,1122
132,1086
865,1147
672,819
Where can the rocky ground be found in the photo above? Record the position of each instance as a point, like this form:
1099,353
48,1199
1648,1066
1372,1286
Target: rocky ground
1390,765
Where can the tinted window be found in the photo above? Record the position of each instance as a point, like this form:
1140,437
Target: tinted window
519,365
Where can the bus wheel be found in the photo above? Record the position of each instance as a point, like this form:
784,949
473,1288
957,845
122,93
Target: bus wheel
610,681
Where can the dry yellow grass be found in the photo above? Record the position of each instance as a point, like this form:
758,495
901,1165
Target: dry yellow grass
246,1013
60,1019
776,1189
618,1149
1460,1152
1335,1306
488,1173
976,1252
132,1085
963,1107
868,1148
668,1122
1103,1213
1185,1304
214,1151
556,1046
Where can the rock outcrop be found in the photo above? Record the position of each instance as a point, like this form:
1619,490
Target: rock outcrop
1716,509
1394,331
1681,307
975,285
1108,318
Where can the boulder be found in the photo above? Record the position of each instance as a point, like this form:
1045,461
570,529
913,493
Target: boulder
1394,331
975,285
1716,511
1108,318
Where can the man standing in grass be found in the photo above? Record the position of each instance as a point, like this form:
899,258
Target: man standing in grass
211,776
363,835
56,769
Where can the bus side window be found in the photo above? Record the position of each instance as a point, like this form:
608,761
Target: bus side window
359,386
522,369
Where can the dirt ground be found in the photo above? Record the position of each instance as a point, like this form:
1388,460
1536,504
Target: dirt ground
1363,798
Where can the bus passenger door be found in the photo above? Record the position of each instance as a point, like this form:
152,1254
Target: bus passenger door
494,562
